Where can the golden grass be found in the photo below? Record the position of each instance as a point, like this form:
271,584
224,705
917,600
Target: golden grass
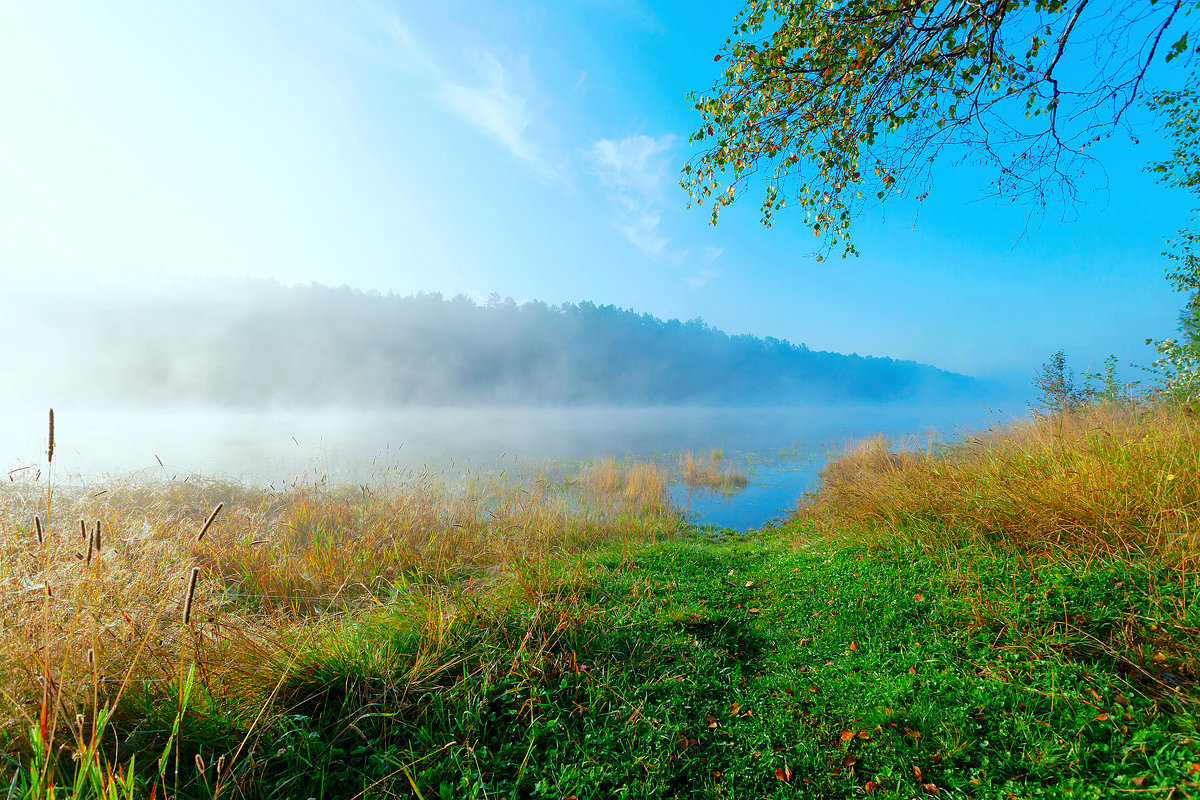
638,483
711,472
157,594
1110,479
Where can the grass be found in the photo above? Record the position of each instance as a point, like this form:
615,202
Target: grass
1014,615
711,472
112,634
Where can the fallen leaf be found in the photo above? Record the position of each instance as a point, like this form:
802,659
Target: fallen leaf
849,760
1102,717
870,787
1138,781
1121,700
749,584
854,645
813,689
912,733
912,670
710,721
734,708
847,735
916,771
784,774
752,610
919,598
929,788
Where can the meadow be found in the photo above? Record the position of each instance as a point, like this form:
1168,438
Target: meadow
1010,614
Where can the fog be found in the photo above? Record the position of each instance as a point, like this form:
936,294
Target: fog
254,344
269,385
782,448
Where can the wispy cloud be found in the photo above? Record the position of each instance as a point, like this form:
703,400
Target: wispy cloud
487,99
633,171
500,112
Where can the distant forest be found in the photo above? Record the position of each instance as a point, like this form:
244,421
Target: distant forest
316,345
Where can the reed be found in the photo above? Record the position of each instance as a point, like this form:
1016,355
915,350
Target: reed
712,472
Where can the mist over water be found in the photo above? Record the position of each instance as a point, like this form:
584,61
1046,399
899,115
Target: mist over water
781,448
273,385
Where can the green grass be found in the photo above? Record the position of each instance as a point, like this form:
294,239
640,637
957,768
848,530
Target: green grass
751,667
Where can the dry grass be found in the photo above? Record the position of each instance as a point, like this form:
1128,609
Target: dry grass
1114,480
272,566
636,483
711,472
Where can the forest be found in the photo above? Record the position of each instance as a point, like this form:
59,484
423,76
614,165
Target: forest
316,345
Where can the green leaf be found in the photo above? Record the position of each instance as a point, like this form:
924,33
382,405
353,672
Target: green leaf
1178,47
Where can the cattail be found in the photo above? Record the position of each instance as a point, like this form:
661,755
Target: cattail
37,525
209,521
191,593
91,544
97,536
50,443
82,530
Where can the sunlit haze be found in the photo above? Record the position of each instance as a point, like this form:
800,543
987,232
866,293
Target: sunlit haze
531,150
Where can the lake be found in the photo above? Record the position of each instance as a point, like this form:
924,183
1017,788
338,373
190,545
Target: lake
781,448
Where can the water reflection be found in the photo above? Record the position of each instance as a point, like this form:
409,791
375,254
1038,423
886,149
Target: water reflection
782,448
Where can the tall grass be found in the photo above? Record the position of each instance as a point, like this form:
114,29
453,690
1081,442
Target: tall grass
1101,501
92,623
1108,479
711,471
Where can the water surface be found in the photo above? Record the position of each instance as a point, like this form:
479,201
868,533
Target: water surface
782,448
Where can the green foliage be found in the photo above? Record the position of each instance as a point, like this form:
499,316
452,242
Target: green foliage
1180,111
831,100
89,776
1106,386
1055,382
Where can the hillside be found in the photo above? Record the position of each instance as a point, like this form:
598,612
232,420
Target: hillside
262,344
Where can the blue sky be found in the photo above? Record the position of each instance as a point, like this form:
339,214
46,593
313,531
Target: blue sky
528,149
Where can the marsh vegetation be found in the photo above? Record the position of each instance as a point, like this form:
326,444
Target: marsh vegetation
1012,611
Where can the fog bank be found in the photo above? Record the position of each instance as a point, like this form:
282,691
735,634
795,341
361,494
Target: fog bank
249,345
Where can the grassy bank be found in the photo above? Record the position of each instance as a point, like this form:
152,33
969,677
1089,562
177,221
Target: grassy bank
1012,616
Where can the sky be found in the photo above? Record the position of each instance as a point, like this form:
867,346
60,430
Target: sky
527,149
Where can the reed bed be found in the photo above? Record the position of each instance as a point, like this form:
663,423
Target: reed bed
1113,479
161,594
711,471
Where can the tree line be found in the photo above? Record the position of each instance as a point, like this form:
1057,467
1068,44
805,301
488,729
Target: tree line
317,345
